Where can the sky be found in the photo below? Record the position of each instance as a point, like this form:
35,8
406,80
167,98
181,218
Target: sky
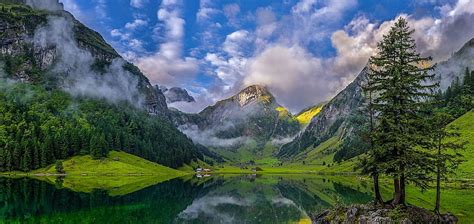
303,51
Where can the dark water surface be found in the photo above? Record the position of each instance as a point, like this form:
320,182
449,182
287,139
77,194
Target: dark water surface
217,199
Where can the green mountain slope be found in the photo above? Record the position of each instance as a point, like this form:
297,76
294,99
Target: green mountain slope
465,126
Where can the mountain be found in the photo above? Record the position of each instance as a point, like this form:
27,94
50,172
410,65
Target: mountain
333,119
75,94
246,122
335,125
176,94
19,26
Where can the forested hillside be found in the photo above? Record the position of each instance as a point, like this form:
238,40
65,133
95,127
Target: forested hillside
65,92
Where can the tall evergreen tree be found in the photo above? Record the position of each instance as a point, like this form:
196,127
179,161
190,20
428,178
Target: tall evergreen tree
445,149
94,147
26,160
369,164
400,89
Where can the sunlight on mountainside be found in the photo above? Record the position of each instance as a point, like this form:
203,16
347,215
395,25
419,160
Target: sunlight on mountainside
305,117
282,112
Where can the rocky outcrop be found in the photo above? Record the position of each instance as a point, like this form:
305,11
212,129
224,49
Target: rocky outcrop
367,214
176,94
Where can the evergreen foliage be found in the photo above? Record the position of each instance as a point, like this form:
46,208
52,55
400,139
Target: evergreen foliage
39,127
59,166
401,89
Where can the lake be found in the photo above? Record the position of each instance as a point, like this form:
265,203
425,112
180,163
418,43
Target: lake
215,199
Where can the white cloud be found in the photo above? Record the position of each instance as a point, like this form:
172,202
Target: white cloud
231,12
167,66
135,24
138,3
206,11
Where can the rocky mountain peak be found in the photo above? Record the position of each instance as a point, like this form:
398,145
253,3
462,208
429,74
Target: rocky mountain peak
253,93
176,94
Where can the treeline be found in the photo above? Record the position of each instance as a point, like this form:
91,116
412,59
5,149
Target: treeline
459,96
38,127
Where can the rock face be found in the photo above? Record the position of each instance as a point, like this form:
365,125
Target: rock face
29,62
252,114
176,94
367,214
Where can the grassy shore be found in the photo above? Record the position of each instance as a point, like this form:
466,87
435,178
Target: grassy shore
120,173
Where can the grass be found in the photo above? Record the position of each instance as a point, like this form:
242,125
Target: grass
117,163
465,126
119,174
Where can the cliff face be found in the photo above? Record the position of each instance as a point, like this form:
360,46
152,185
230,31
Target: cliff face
176,94
29,60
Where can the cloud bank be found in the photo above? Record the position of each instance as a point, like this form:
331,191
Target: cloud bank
74,65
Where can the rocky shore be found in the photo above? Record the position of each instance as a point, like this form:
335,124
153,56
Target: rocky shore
368,214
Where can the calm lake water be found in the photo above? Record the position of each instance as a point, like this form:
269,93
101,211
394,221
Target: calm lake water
216,199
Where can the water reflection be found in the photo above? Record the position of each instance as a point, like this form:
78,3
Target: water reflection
216,199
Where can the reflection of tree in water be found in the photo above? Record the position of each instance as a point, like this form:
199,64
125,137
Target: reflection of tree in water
349,195
299,194
241,199
30,201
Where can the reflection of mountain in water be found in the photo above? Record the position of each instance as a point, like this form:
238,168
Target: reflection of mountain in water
30,201
267,199
236,199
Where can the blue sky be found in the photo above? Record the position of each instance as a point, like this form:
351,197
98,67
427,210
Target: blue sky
304,51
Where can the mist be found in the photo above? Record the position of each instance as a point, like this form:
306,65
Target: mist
74,66
209,137
52,5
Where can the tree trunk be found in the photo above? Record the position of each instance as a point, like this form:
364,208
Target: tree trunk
402,190
438,183
397,192
378,196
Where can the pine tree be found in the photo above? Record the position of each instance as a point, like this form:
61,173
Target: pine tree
26,161
400,90
16,160
59,166
466,86
103,146
94,147
2,160
446,151
369,164
8,159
